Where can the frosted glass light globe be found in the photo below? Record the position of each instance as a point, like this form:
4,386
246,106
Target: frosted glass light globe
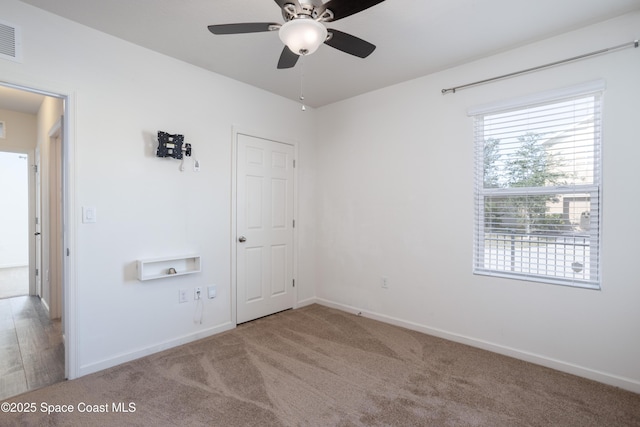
303,36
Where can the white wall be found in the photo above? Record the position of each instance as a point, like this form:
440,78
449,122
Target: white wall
120,96
20,131
395,199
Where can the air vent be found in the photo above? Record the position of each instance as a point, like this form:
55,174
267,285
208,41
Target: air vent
10,42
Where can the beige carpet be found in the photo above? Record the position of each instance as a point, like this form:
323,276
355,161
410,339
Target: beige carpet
317,366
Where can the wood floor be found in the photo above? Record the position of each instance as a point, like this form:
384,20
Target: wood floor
31,347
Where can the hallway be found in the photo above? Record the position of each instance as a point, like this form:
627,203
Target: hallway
31,346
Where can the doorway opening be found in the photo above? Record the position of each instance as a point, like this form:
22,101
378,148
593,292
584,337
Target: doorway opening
36,353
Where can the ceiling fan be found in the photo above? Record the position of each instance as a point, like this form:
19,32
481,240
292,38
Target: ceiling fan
304,30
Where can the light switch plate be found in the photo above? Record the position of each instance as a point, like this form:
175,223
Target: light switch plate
88,214
212,292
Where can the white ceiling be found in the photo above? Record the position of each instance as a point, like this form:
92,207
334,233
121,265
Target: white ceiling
19,100
413,37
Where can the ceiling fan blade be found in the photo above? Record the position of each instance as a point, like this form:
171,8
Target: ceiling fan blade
343,8
350,44
288,59
246,27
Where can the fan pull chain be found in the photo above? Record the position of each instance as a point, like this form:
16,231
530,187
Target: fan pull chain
302,82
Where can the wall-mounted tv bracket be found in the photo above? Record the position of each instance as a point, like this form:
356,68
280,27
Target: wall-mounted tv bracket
172,146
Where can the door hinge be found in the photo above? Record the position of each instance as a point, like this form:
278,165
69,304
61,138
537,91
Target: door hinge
294,223
35,168
37,272
294,283
294,163
68,252
37,221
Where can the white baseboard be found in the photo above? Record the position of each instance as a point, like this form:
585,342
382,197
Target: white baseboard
127,357
306,302
46,307
14,266
559,365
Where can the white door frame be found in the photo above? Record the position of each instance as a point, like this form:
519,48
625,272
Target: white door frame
36,216
69,272
56,210
234,200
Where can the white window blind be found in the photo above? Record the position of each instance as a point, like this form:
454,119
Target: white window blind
537,191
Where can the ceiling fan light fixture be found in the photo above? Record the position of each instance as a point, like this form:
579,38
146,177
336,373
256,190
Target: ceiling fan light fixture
303,36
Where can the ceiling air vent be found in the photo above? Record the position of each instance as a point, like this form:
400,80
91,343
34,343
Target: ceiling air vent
10,42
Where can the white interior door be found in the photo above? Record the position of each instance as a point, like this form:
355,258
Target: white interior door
264,227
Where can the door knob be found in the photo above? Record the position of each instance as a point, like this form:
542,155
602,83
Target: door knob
242,239
37,233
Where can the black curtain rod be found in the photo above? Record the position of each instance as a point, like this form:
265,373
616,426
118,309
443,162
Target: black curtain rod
540,67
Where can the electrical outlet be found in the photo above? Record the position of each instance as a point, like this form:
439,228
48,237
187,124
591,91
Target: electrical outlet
182,296
197,293
385,283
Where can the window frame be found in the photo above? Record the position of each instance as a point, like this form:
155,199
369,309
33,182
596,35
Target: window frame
593,190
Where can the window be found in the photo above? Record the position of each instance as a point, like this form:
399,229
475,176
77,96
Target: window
537,188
